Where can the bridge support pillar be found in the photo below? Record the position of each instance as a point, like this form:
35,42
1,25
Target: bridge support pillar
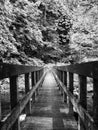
14,99
36,73
65,83
27,89
33,83
62,81
71,90
82,99
95,104
0,106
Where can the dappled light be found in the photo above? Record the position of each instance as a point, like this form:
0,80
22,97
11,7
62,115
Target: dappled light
49,64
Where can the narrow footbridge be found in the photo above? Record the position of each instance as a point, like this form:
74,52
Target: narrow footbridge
49,102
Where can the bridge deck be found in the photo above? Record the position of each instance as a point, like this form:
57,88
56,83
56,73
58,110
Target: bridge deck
49,112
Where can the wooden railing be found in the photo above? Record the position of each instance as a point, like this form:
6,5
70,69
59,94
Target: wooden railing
17,107
66,73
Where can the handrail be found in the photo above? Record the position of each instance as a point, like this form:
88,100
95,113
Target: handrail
89,69
84,70
12,72
8,70
81,111
20,106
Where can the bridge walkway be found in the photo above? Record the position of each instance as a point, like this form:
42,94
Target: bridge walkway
49,112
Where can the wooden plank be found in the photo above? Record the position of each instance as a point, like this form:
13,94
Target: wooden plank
49,112
95,104
80,110
89,69
71,91
32,80
82,99
65,83
6,125
27,89
37,78
8,70
62,82
14,98
0,105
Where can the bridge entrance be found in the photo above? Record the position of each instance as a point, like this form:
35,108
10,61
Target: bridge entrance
49,112
46,107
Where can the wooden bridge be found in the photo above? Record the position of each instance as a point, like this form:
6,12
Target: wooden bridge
49,102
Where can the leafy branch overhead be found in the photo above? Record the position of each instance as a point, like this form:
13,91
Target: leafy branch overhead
50,30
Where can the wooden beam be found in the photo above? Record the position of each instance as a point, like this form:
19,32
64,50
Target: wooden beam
80,110
71,91
14,98
33,83
11,119
9,70
65,83
82,99
62,82
27,89
89,69
95,104
0,105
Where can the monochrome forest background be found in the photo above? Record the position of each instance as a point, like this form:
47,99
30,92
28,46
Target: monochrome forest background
35,32
39,32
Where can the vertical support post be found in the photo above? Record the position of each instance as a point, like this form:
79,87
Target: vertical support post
35,81
36,73
59,75
62,76
71,90
34,77
82,98
32,80
0,106
27,89
95,104
62,81
14,98
65,83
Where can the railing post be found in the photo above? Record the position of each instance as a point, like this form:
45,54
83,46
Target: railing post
14,99
0,106
36,73
82,98
71,90
59,75
32,79
36,76
95,104
35,81
62,81
65,83
62,76
27,89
